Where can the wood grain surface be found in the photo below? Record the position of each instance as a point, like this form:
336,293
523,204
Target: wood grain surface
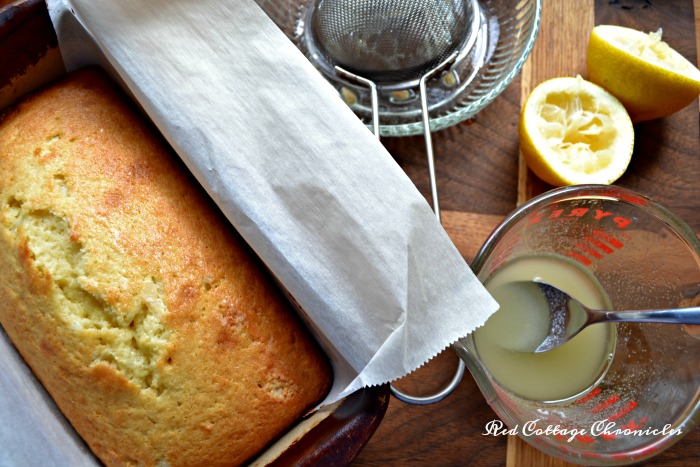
481,178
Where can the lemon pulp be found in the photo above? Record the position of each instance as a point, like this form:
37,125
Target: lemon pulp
574,132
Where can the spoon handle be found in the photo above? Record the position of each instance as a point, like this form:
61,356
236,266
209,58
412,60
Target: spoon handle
689,315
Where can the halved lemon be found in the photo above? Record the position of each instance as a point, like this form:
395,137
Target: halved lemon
574,132
650,78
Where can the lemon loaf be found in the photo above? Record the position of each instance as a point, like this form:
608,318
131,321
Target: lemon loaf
151,324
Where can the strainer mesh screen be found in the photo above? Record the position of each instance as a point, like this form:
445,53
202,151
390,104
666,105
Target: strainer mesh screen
389,40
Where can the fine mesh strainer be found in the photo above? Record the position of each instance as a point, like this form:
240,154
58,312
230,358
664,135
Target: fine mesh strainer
397,44
394,44
390,41
389,45
508,32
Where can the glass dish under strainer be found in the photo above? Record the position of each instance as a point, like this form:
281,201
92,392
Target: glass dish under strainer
506,37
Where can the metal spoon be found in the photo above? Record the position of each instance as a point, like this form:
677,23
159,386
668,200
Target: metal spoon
569,316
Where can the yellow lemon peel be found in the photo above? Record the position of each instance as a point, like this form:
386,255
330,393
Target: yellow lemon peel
650,78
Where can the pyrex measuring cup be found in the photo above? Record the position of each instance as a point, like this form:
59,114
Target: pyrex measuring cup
646,395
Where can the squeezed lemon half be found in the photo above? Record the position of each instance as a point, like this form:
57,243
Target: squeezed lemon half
574,132
650,78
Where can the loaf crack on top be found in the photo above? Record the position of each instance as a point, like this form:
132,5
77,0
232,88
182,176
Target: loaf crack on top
131,339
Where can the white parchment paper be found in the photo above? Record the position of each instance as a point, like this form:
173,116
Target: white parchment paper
298,175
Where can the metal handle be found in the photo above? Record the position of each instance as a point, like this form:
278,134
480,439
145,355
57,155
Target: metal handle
459,373
433,398
689,315
373,90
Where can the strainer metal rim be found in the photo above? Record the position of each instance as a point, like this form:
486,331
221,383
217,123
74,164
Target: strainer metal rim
495,75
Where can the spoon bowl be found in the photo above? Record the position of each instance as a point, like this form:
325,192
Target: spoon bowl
568,316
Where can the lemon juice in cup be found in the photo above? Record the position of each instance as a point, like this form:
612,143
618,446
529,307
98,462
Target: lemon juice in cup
506,341
638,386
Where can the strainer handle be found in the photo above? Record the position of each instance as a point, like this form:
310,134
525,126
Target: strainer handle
457,378
373,90
433,398
425,113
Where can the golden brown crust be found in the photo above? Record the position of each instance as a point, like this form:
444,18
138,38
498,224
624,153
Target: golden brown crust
130,297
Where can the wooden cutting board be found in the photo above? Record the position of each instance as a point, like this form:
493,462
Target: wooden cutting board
560,50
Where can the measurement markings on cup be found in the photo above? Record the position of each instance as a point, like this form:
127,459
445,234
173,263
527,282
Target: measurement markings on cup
600,242
595,247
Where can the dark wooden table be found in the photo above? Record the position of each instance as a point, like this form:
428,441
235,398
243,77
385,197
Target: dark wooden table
481,179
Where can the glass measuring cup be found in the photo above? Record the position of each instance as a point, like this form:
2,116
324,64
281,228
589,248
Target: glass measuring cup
647,394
